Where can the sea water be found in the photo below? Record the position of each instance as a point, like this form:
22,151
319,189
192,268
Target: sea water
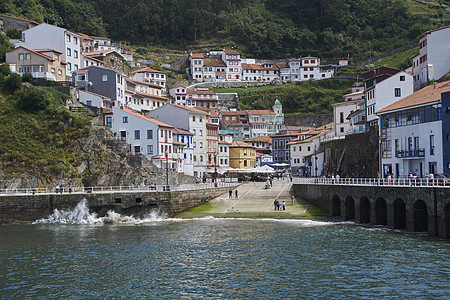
77,255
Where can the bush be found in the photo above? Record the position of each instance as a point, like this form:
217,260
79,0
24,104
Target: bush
141,50
14,33
26,77
33,100
12,83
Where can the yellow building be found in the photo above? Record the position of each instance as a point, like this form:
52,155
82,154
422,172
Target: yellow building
242,155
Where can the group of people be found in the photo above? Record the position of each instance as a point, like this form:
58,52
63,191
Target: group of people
230,193
279,206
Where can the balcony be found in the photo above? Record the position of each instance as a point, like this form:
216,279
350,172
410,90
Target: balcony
416,153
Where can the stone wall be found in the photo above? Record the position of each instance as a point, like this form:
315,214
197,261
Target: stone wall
28,208
308,120
346,199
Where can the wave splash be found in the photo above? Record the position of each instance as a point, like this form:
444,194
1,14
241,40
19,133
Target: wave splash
81,215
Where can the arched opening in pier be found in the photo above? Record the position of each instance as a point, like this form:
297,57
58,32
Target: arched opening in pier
364,210
349,205
380,212
420,216
447,220
399,214
336,206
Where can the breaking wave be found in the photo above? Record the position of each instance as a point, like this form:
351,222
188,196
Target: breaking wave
81,215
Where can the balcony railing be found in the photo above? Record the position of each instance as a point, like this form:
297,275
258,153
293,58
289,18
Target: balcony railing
411,153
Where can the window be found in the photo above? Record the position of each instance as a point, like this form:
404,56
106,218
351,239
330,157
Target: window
150,149
402,78
201,118
341,117
201,132
76,67
125,119
68,37
104,77
201,145
75,53
193,119
28,56
21,56
398,92
69,66
69,52
149,134
137,149
75,40
341,129
431,144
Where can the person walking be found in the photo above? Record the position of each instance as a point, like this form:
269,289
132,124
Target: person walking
284,205
275,204
236,194
292,199
230,193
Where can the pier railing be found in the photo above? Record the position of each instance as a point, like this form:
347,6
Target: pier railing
124,189
418,182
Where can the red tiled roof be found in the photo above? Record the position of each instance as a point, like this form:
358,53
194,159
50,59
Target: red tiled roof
181,131
20,19
144,83
197,55
252,67
147,69
240,144
152,96
178,143
33,51
231,52
233,113
159,123
260,112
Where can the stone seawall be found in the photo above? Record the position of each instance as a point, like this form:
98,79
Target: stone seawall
28,208
397,207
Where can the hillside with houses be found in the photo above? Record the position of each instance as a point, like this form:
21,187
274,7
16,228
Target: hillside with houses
189,129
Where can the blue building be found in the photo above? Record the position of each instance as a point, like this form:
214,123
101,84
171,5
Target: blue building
280,149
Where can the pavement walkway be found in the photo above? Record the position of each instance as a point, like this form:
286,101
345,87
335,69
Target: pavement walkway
253,200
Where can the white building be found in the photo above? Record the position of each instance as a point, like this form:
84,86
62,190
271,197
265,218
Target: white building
433,60
225,141
415,133
196,66
341,112
92,99
46,36
189,119
179,94
383,89
150,75
232,59
302,150
307,68
144,135
143,96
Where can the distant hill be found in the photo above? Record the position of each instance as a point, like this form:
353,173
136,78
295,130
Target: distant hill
257,28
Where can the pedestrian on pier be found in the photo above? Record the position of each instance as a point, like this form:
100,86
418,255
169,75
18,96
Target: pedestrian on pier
292,199
284,205
275,204
230,193
236,194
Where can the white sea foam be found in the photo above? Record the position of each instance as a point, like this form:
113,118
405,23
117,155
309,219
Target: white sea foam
81,215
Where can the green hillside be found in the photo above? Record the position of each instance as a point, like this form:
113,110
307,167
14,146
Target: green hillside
257,28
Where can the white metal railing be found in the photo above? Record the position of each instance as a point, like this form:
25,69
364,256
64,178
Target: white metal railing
109,189
418,182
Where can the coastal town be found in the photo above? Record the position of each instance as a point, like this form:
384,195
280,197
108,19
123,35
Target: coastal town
193,130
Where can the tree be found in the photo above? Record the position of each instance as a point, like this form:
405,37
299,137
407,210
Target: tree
12,83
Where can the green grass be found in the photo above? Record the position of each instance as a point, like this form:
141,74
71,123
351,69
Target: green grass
398,60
